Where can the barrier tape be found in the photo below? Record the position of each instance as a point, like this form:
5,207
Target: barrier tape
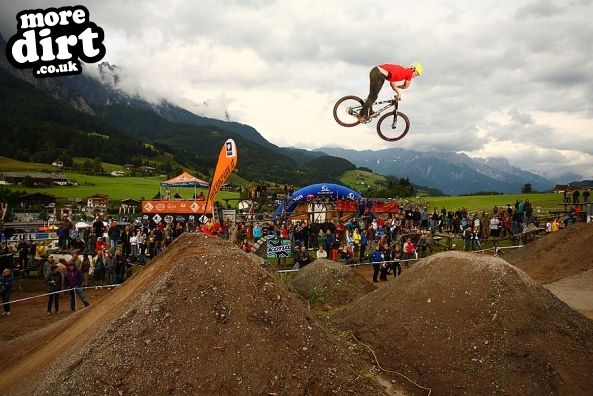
357,264
62,291
414,259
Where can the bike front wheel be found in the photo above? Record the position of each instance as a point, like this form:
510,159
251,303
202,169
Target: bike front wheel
393,126
346,110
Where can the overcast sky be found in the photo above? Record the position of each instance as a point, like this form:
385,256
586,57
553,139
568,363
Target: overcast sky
502,78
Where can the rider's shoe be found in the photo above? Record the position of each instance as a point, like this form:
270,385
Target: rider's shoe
362,119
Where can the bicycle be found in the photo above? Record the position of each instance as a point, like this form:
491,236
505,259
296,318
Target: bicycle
392,126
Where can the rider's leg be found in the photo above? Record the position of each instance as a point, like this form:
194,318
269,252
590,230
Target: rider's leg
376,83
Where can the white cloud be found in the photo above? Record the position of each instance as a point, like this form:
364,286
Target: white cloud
511,79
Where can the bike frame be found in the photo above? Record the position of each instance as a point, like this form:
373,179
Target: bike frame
390,102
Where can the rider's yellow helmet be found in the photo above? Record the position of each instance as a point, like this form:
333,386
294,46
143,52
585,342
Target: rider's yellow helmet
418,68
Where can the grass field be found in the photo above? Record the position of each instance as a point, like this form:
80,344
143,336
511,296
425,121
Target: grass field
541,202
117,188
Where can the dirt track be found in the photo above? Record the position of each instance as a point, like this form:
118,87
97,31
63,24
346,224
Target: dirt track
67,333
576,291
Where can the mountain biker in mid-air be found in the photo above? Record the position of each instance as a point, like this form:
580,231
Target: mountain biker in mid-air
393,74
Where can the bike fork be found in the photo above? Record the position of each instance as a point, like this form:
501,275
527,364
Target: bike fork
394,123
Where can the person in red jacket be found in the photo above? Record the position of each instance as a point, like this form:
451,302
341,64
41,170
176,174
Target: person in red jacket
393,74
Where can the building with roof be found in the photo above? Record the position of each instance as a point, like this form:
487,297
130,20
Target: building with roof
39,178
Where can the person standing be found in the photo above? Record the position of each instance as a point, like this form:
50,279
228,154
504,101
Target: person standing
396,256
495,227
73,281
114,234
364,240
99,275
85,267
134,244
6,280
141,241
54,285
120,266
377,259
409,250
47,266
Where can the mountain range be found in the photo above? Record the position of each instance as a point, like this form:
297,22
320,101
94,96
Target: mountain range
449,172
196,140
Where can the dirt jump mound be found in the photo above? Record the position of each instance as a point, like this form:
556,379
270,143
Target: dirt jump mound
328,284
557,255
462,323
213,323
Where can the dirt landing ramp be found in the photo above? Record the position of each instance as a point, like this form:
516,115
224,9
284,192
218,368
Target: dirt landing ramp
464,323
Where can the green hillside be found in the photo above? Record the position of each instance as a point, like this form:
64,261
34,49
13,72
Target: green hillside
202,143
38,128
360,180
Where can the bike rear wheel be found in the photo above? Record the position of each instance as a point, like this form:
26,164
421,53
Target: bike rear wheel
393,126
346,110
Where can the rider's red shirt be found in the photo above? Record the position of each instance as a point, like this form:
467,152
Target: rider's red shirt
397,72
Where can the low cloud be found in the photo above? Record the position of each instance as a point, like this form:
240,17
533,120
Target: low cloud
519,74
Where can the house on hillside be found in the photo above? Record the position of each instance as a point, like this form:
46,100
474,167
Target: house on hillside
560,188
38,178
97,202
148,170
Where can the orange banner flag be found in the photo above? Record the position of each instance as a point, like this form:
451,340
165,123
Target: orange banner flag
227,160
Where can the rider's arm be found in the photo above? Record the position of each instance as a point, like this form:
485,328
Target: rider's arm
396,87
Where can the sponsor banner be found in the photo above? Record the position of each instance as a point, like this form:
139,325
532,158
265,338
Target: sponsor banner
346,206
385,207
277,248
168,218
173,206
378,207
227,161
33,236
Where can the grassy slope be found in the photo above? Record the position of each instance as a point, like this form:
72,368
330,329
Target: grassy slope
117,188
12,165
359,180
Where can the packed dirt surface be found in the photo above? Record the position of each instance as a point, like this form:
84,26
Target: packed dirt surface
462,323
202,319
327,284
558,255
576,291
563,262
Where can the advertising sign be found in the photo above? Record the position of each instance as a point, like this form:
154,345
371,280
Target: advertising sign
277,248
